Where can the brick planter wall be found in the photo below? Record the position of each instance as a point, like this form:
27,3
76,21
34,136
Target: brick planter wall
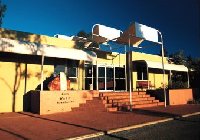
180,96
48,102
175,96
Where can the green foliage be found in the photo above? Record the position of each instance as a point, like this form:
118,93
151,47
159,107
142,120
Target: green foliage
84,44
3,8
179,85
179,57
179,80
193,65
82,34
195,73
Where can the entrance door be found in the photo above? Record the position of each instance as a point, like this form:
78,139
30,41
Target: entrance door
105,78
90,77
109,78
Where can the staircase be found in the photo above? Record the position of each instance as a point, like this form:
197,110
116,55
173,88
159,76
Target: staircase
117,101
91,105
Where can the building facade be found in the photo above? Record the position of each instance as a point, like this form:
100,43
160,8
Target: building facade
21,71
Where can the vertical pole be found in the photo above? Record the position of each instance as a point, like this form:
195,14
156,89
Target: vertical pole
170,78
114,83
105,76
25,78
92,77
148,76
42,74
129,71
188,76
125,69
66,74
97,73
164,90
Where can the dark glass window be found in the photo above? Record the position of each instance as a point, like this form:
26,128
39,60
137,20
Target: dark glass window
101,71
72,72
141,73
88,71
119,72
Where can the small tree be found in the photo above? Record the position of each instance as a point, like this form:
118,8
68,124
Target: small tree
178,79
178,58
2,12
83,45
194,68
82,34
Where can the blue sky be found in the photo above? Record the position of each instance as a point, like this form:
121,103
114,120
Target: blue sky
179,21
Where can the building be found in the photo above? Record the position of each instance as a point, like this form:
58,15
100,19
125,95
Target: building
26,59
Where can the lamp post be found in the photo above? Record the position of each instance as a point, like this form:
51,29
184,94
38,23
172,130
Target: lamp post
162,50
129,71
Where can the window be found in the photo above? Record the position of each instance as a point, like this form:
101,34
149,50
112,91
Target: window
88,76
59,68
120,78
72,72
88,71
141,73
120,73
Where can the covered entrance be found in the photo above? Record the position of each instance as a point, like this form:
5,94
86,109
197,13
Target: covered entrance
105,78
151,71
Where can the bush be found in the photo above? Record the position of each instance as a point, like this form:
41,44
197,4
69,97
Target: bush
178,85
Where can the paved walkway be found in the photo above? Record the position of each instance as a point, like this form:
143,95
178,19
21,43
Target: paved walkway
23,125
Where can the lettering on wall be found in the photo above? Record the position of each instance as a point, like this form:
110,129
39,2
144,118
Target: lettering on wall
65,98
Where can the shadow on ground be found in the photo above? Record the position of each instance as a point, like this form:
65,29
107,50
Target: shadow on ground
155,113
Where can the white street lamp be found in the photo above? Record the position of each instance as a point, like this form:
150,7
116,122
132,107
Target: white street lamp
163,66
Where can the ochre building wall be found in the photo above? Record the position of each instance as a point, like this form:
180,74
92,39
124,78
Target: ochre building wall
13,82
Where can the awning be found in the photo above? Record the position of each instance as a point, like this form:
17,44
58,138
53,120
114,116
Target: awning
28,48
102,33
158,65
137,33
130,33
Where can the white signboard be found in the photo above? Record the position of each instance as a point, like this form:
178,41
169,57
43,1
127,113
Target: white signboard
63,81
145,32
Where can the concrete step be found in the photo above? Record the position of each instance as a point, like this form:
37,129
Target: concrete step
108,105
151,98
114,101
133,99
133,103
102,94
104,101
155,101
145,105
142,102
112,109
125,96
91,105
161,103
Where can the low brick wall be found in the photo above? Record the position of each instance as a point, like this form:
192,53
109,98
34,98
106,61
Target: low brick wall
48,102
180,96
